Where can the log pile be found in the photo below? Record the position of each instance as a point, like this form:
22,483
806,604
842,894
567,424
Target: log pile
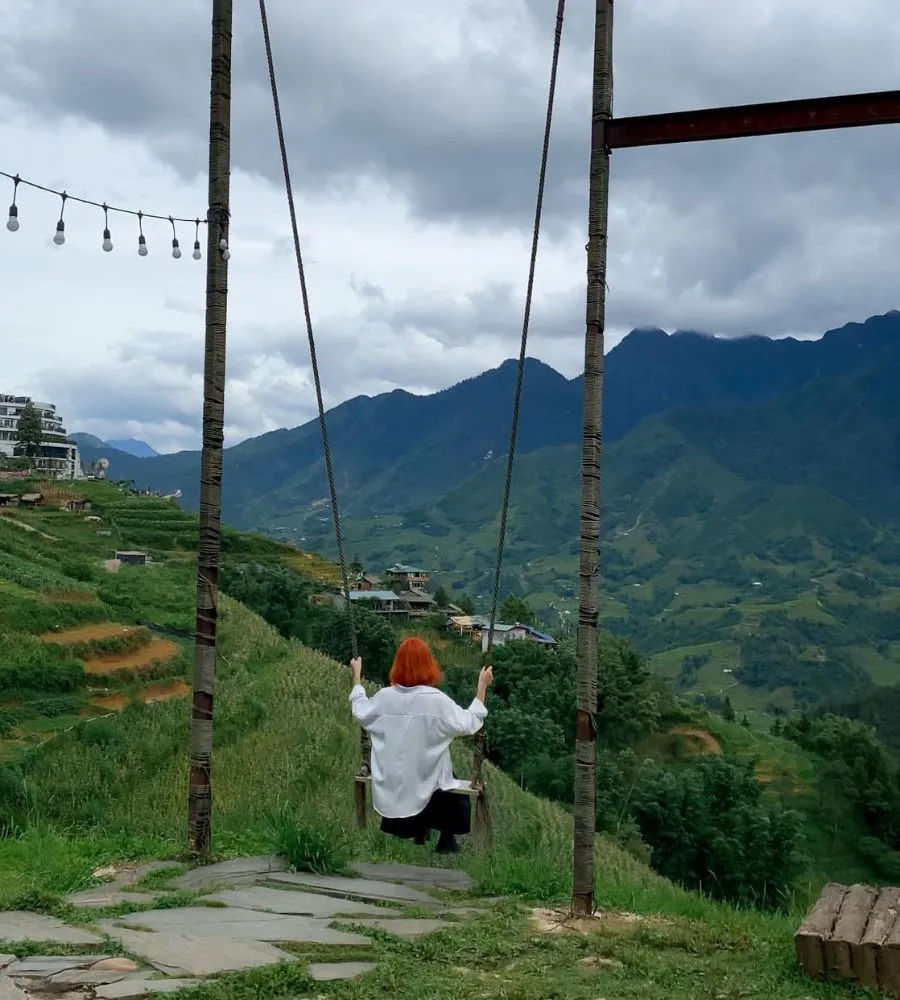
853,934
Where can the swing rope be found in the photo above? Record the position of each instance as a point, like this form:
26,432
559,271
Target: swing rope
323,423
520,371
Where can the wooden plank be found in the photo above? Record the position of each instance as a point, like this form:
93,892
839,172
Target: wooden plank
809,941
473,791
743,121
881,923
842,947
889,961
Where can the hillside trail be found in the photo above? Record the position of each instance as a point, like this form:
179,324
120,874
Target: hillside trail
28,527
243,910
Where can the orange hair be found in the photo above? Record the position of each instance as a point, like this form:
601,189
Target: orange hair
414,665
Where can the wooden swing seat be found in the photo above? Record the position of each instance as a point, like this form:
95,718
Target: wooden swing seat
472,790
466,787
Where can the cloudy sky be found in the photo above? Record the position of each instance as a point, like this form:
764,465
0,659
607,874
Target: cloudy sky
415,133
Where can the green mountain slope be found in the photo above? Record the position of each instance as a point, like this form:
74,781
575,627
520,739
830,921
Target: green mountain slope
734,554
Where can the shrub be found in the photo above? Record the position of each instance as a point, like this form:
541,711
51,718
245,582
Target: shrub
307,846
707,829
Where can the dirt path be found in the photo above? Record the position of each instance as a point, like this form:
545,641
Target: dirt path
153,693
156,651
28,527
709,743
86,633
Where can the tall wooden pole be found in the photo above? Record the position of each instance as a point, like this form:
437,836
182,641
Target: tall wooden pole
208,553
585,808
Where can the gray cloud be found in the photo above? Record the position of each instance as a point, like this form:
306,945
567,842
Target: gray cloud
444,106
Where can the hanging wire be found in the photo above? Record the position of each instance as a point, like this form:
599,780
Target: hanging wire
323,424
520,370
17,180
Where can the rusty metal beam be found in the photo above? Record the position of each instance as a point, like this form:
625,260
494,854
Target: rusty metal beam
775,118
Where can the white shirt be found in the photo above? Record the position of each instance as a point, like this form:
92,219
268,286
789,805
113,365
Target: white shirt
411,729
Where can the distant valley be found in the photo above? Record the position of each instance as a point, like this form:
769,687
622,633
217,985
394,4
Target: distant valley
752,533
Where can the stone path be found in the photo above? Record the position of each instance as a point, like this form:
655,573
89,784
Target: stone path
244,910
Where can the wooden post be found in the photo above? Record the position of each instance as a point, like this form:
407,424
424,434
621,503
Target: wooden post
809,941
209,549
881,923
585,818
842,947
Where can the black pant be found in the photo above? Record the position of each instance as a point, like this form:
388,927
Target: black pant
449,814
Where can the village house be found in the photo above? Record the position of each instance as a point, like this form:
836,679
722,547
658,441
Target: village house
417,601
367,581
77,503
31,500
507,633
132,558
383,602
403,578
7,498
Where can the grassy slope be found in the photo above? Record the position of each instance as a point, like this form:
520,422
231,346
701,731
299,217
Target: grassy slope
302,749
115,789
670,510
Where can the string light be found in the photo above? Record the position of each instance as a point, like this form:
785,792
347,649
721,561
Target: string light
142,240
59,238
176,249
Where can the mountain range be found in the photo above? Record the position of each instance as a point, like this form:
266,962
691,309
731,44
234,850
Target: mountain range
126,446
751,522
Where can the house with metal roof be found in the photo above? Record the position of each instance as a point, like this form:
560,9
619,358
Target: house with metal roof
403,577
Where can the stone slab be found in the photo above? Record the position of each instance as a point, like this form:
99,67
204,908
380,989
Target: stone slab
406,928
439,878
361,888
196,954
43,966
238,925
134,989
115,965
73,979
20,926
9,990
308,904
102,896
323,972
239,871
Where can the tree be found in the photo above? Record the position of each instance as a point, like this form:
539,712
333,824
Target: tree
708,829
585,805
465,604
728,712
210,546
29,431
515,609
441,598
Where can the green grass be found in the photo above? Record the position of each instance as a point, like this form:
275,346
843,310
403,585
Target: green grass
286,750
285,736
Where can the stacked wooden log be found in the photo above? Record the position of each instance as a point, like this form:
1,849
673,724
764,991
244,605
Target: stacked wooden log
853,934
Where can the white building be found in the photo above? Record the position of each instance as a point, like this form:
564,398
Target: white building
58,456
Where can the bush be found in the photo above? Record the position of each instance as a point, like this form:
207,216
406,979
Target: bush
306,846
707,829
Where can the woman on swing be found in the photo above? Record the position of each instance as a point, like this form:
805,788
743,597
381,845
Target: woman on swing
411,725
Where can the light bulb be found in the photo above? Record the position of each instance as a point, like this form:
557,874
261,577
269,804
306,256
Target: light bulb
176,249
142,245
107,241
197,254
12,223
60,236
